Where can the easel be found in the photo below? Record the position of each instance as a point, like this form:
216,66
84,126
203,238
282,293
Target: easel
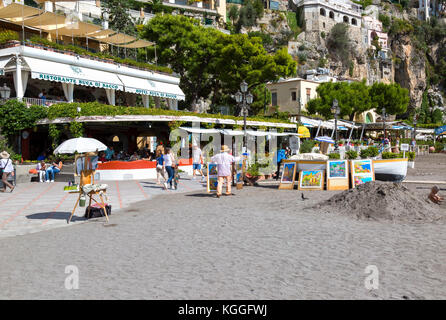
87,177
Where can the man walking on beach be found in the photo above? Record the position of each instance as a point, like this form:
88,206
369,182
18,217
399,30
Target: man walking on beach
224,163
197,159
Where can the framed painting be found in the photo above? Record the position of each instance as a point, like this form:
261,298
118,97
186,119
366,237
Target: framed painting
239,174
362,171
311,180
212,177
288,175
337,175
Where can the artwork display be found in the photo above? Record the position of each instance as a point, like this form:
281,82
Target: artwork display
337,169
239,174
337,175
311,180
212,178
288,174
362,171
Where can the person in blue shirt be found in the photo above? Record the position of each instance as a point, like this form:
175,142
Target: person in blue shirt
109,153
280,155
160,166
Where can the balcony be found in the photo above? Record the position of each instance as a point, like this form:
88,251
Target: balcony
202,6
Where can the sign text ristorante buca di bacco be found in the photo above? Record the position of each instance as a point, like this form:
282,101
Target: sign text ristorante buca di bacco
81,82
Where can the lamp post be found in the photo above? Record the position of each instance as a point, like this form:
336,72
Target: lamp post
5,91
384,121
335,110
415,126
245,98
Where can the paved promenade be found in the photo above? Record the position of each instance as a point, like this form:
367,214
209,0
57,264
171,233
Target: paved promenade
34,207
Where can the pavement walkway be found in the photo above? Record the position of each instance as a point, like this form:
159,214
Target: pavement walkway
35,207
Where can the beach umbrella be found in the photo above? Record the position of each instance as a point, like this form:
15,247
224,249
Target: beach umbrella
80,145
324,139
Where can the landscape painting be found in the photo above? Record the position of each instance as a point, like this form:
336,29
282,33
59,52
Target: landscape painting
311,179
361,180
288,172
212,185
337,169
362,167
212,167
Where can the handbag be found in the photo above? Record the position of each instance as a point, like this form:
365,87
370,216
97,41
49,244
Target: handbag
3,168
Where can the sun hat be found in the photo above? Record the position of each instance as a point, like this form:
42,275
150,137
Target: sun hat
224,148
4,155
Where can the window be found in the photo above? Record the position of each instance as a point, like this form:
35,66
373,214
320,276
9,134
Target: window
293,96
331,15
323,25
354,22
274,98
308,94
322,12
345,19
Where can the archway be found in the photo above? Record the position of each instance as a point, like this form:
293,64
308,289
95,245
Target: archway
322,12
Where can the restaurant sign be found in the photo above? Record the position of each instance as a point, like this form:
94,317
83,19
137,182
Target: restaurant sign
76,81
156,93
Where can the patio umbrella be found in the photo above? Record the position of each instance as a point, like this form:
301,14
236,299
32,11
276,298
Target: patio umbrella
324,139
80,145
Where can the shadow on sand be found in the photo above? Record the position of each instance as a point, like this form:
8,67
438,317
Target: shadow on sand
55,216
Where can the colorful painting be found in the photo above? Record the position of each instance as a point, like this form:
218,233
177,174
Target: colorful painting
213,183
361,180
362,167
337,169
288,172
311,179
212,169
239,177
239,166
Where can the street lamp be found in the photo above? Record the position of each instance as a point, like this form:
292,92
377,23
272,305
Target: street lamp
415,126
335,110
5,91
383,115
245,98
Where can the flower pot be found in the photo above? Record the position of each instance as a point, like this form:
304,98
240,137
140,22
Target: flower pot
411,164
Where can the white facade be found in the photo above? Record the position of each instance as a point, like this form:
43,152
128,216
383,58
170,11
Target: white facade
373,28
430,8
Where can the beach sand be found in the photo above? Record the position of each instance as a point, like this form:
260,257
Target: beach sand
259,244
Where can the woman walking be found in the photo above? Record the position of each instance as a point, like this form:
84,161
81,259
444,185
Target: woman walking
160,166
7,169
169,164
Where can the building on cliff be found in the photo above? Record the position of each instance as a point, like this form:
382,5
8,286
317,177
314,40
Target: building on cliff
431,8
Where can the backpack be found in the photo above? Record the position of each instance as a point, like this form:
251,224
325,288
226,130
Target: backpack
1,169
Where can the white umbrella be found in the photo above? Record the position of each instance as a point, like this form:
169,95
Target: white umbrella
80,145
324,139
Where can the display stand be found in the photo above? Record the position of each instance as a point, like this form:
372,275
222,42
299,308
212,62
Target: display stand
87,177
337,175
288,174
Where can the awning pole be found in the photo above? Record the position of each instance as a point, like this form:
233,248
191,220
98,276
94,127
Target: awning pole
362,132
318,128
23,24
350,136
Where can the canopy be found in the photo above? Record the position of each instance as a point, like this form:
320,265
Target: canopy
324,139
47,21
78,29
118,38
152,88
80,145
15,12
54,71
304,132
137,44
240,133
3,62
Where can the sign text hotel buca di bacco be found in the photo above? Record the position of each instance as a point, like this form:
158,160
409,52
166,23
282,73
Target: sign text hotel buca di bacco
81,82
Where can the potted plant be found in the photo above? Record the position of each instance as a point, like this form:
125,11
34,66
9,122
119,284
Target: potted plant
411,161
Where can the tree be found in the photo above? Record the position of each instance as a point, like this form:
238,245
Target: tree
338,43
233,14
353,98
211,63
119,17
390,96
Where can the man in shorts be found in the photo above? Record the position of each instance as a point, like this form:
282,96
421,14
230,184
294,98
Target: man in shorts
197,159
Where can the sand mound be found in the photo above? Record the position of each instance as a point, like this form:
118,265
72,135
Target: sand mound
384,201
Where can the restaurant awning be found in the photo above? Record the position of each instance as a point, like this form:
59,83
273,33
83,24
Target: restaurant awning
47,21
119,38
304,132
137,44
152,88
58,72
3,62
230,132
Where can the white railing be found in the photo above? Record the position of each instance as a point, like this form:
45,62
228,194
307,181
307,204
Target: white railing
35,101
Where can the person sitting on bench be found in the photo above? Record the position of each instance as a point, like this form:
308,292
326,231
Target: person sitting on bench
52,170
41,170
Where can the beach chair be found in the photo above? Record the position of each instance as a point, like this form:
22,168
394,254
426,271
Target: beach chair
88,187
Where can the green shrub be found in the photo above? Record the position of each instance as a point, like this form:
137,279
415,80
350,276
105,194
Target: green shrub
8,35
390,155
370,152
334,155
306,146
373,151
351,155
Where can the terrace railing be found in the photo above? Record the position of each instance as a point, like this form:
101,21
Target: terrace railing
35,101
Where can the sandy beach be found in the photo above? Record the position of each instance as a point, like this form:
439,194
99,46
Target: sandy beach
260,244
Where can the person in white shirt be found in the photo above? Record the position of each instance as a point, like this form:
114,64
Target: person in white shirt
224,163
197,159
41,170
7,169
169,165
